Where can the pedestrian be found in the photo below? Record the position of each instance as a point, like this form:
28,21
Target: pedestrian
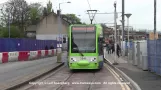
107,47
51,47
46,47
110,48
118,50
113,48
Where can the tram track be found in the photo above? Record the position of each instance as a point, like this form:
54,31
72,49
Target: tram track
90,86
60,87
69,78
29,86
75,80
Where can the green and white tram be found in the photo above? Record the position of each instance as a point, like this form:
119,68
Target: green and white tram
85,47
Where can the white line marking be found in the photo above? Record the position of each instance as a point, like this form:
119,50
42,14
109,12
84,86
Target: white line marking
123,88
131,81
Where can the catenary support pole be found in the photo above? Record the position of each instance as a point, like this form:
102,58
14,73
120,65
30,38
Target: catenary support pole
115,62
123,20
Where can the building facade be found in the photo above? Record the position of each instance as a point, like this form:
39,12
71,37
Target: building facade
48,28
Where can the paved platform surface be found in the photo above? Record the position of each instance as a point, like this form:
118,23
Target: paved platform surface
145,79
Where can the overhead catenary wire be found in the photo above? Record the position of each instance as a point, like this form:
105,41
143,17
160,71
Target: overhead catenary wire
108,22
89,4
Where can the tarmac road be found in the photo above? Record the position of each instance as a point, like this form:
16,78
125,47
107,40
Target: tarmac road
13,71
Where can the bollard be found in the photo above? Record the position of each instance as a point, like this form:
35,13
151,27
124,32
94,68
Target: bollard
59,55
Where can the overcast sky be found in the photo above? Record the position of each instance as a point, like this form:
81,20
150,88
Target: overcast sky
142,11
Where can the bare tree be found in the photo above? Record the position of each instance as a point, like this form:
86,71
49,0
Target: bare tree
3,15
18,10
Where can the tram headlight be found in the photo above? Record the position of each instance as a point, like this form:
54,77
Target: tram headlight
73,59
93,59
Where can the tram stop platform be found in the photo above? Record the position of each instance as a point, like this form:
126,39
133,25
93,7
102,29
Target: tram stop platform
146,80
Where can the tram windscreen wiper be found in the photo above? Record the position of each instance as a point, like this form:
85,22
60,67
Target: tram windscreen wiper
81,53
77,50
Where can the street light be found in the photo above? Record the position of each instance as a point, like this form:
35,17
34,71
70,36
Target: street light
63,3
128,16
59,22
59,49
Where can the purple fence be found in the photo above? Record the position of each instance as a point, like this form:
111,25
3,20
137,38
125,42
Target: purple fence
154,56
9,45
